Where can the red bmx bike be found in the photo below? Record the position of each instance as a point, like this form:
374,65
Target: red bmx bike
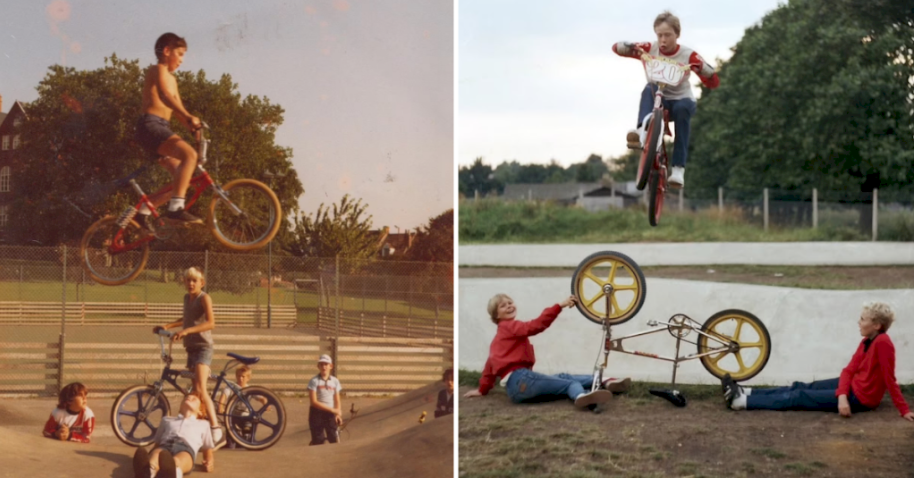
244,214
654,165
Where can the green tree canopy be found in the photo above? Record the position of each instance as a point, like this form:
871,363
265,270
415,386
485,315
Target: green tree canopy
332,231
78,138
817,94
435,241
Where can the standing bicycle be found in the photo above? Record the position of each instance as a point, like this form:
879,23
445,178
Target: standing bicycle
254,417
667,96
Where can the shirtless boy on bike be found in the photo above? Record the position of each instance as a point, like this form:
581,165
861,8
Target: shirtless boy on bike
160,100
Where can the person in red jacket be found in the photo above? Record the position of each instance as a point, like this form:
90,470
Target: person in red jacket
511,358
860,387
72,420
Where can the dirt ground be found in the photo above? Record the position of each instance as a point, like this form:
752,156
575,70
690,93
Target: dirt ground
639,435
819,277
384,440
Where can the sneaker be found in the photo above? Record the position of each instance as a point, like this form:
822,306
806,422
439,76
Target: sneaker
167,467
181,215
676,177
616,385
141,462
633,140
732,391
219,438
594,397
147,224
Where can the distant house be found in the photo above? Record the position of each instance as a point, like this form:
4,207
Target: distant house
9,143
393,244
590,196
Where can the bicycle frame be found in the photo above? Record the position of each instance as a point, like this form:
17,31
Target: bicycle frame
678,322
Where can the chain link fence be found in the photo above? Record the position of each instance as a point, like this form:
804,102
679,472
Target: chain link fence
54,319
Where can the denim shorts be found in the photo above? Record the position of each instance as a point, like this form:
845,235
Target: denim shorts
199,356
152,131
176,445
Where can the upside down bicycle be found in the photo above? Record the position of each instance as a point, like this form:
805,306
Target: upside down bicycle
254,417
610,289
244,214
653,162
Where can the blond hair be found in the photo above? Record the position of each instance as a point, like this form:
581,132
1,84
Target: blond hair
670,19
243,369
193,272
493,307
879,313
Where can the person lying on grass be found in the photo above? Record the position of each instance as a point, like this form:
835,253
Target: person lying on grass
511,357
860,387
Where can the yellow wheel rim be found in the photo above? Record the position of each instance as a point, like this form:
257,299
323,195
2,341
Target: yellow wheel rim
748,334
616,272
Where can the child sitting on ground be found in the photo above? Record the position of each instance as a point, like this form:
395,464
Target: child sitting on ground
177,442
72,420
511,357
860,387
445,404
325,415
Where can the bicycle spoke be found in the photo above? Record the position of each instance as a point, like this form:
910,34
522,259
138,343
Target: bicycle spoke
627,287
714,359
612,275
737,330
134,428
593,300
149,425
591,276
127,413
751,345
270,425
740,361
614,304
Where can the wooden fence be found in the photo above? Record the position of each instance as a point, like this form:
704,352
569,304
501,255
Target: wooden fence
287,363
383,325
88,313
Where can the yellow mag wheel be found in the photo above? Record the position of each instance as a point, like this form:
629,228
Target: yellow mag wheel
608,268
746,333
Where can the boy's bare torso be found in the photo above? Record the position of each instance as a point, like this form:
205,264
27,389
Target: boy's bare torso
152,100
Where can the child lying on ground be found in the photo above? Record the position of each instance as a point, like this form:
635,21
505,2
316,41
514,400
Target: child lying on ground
177,442
511,357
72,420
860,387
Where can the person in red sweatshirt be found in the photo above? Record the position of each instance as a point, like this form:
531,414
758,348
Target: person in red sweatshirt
860,387
72,420
511,358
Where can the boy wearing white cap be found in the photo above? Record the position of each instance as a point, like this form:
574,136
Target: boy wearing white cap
325,414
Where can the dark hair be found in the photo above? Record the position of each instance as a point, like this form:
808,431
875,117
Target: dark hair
169,40
69,392
449,373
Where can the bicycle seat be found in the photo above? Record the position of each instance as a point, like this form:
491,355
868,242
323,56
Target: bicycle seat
244,359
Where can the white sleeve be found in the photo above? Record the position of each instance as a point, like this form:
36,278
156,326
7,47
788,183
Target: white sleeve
313,384
207,438
339,386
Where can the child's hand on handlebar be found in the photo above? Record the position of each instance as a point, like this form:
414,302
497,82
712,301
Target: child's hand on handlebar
568,302
179,335
157,329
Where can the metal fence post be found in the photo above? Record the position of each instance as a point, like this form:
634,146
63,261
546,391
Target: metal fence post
766,209
337,297
720,200
63,324
269,282
874,215
815,209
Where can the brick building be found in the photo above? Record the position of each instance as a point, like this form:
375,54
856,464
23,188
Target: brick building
9,143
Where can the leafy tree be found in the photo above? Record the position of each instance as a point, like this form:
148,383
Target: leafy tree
593,169
626,166
435,241
818,94
78,138
477,177
336,230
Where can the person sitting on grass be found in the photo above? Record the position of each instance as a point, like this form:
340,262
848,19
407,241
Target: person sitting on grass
72,420
177,442
445,404
511,357
860,386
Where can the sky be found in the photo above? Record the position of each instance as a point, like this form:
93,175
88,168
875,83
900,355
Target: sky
538,80
367,86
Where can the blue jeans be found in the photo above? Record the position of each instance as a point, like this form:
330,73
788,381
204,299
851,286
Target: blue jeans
681,111
815,396
525,385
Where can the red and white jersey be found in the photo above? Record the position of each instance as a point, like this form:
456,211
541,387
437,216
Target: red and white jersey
682,55
81,425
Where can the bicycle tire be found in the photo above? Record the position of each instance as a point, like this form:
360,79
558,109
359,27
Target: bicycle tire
655,198
236,423
584,281
248,195
118,411
650,148
99,265
743,372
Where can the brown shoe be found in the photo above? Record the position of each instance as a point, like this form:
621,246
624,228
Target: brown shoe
617,385
632,140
